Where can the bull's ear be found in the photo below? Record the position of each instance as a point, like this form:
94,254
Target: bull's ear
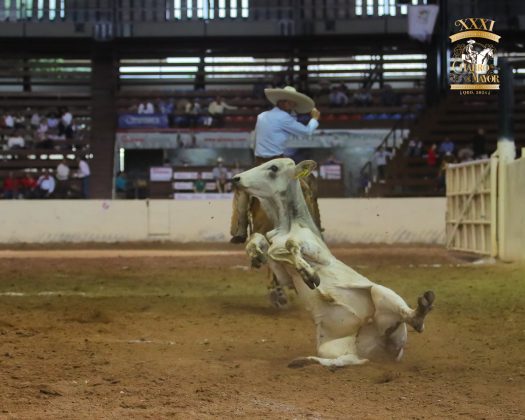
304,168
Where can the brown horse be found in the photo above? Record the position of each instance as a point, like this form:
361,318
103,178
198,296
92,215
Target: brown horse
259,222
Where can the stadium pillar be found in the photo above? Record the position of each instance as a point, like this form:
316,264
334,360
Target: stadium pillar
104,83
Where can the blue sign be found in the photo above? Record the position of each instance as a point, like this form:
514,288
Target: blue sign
143,121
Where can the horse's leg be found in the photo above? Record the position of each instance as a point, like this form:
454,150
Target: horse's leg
391,309
310,277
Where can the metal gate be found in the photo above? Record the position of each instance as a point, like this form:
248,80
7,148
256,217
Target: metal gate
471,206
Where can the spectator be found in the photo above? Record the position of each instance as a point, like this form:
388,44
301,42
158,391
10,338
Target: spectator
52,120
46,185
146,108
62,175
35,120
338,98
389,97
465,154
381,158
180,107
20,121
16,141
10,186
447,146
441,179
432,156
28,186
121,185
84,173
199,185
9,121
216,110
193,110
479,144
220,175
363,97
332,160
41,132
65,127
165,107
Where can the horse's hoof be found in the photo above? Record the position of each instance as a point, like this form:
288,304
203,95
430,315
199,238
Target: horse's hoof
312,281
301,362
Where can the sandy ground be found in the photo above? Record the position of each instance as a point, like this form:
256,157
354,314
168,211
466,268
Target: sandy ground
189,333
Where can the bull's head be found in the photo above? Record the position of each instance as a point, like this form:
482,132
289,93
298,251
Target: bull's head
273,177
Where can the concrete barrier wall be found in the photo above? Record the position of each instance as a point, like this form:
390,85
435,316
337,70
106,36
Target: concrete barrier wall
420,220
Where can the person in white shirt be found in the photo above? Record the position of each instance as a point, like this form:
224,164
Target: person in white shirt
35,120
216,109
16,141
84,173
9,121
381,157
46,185
62,175
65,127
146,108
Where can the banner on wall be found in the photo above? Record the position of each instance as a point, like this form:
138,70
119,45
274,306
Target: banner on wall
143,121
224,139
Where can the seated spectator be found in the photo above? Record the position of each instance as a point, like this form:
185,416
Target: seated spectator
9,121
216,109
363,97
338,98
62,178
465,154
10,189
181,105
220,175
389,97
20,121
199,185
146,108
28,186
193,110
46,185
16,141
447,146
52,120
121,185
166,108
42,130
432,155
35,120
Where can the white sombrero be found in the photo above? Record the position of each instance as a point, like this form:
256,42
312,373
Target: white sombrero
304,103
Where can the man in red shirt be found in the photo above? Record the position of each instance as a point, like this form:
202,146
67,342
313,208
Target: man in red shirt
10,186
28,186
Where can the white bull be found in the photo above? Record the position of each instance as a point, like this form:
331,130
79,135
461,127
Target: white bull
356,319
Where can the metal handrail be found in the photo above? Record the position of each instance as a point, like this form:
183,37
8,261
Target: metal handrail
366,169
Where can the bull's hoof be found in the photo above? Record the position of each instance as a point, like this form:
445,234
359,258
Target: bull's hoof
302,362
311,280
278,298
424,306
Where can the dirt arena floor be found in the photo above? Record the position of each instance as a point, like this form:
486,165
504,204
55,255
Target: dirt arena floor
183,332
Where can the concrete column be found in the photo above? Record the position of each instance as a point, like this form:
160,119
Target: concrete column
104,83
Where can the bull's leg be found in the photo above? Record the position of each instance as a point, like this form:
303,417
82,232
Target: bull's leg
391,309
257,249
333,353
310,277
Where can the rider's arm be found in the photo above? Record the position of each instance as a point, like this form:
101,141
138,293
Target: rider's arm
291,126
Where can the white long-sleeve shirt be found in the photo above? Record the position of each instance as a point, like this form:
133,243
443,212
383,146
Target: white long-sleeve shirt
218,108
